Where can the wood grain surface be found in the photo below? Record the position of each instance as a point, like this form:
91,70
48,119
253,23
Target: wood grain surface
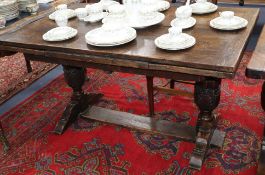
216,53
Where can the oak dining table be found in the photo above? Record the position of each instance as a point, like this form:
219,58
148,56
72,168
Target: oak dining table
215,56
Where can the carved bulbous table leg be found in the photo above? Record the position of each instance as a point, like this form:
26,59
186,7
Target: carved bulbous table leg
75,78
207,97
241,2
3,139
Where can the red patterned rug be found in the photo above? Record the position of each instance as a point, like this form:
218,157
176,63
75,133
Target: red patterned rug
95,148
14,76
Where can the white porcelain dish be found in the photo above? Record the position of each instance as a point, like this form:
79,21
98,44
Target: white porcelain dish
102,38
69,12
235,23
139,22
183,23
95,17
60,34
198,9
165,42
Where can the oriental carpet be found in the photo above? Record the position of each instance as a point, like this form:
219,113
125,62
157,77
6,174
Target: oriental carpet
93,148
14,76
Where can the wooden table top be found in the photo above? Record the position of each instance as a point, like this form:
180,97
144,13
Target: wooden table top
216,53
256,66
25,18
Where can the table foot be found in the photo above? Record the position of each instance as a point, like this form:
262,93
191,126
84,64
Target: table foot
207,97
75,78
3,140
77,105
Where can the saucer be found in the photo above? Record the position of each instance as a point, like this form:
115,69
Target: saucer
162,5
102,38
235,23
183,23
165,42
70,13
107,3
139,22
95,17
60,34
209,8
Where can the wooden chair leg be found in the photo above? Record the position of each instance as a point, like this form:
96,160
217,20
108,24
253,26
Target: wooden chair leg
241,2
172,84
29,68
3,140
150,92
262,96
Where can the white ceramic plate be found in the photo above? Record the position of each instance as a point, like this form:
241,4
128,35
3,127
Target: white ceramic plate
60,34
70,13
238,23
140,22
209,9
96,17
165,42
184,24
99,37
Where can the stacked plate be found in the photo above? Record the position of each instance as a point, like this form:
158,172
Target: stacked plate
166,42
234,23
139,22
60,34
22,4
203,8
69,12
9,9
175,40
110,35
183,23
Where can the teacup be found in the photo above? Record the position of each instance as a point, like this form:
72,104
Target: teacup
87,7
61,7
147,12
2,22
81,13
117,11
148,2
94,9
226,16
32,8
201,4
175,34
183,12
201,1
61,19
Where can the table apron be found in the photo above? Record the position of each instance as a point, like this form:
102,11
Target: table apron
117,64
